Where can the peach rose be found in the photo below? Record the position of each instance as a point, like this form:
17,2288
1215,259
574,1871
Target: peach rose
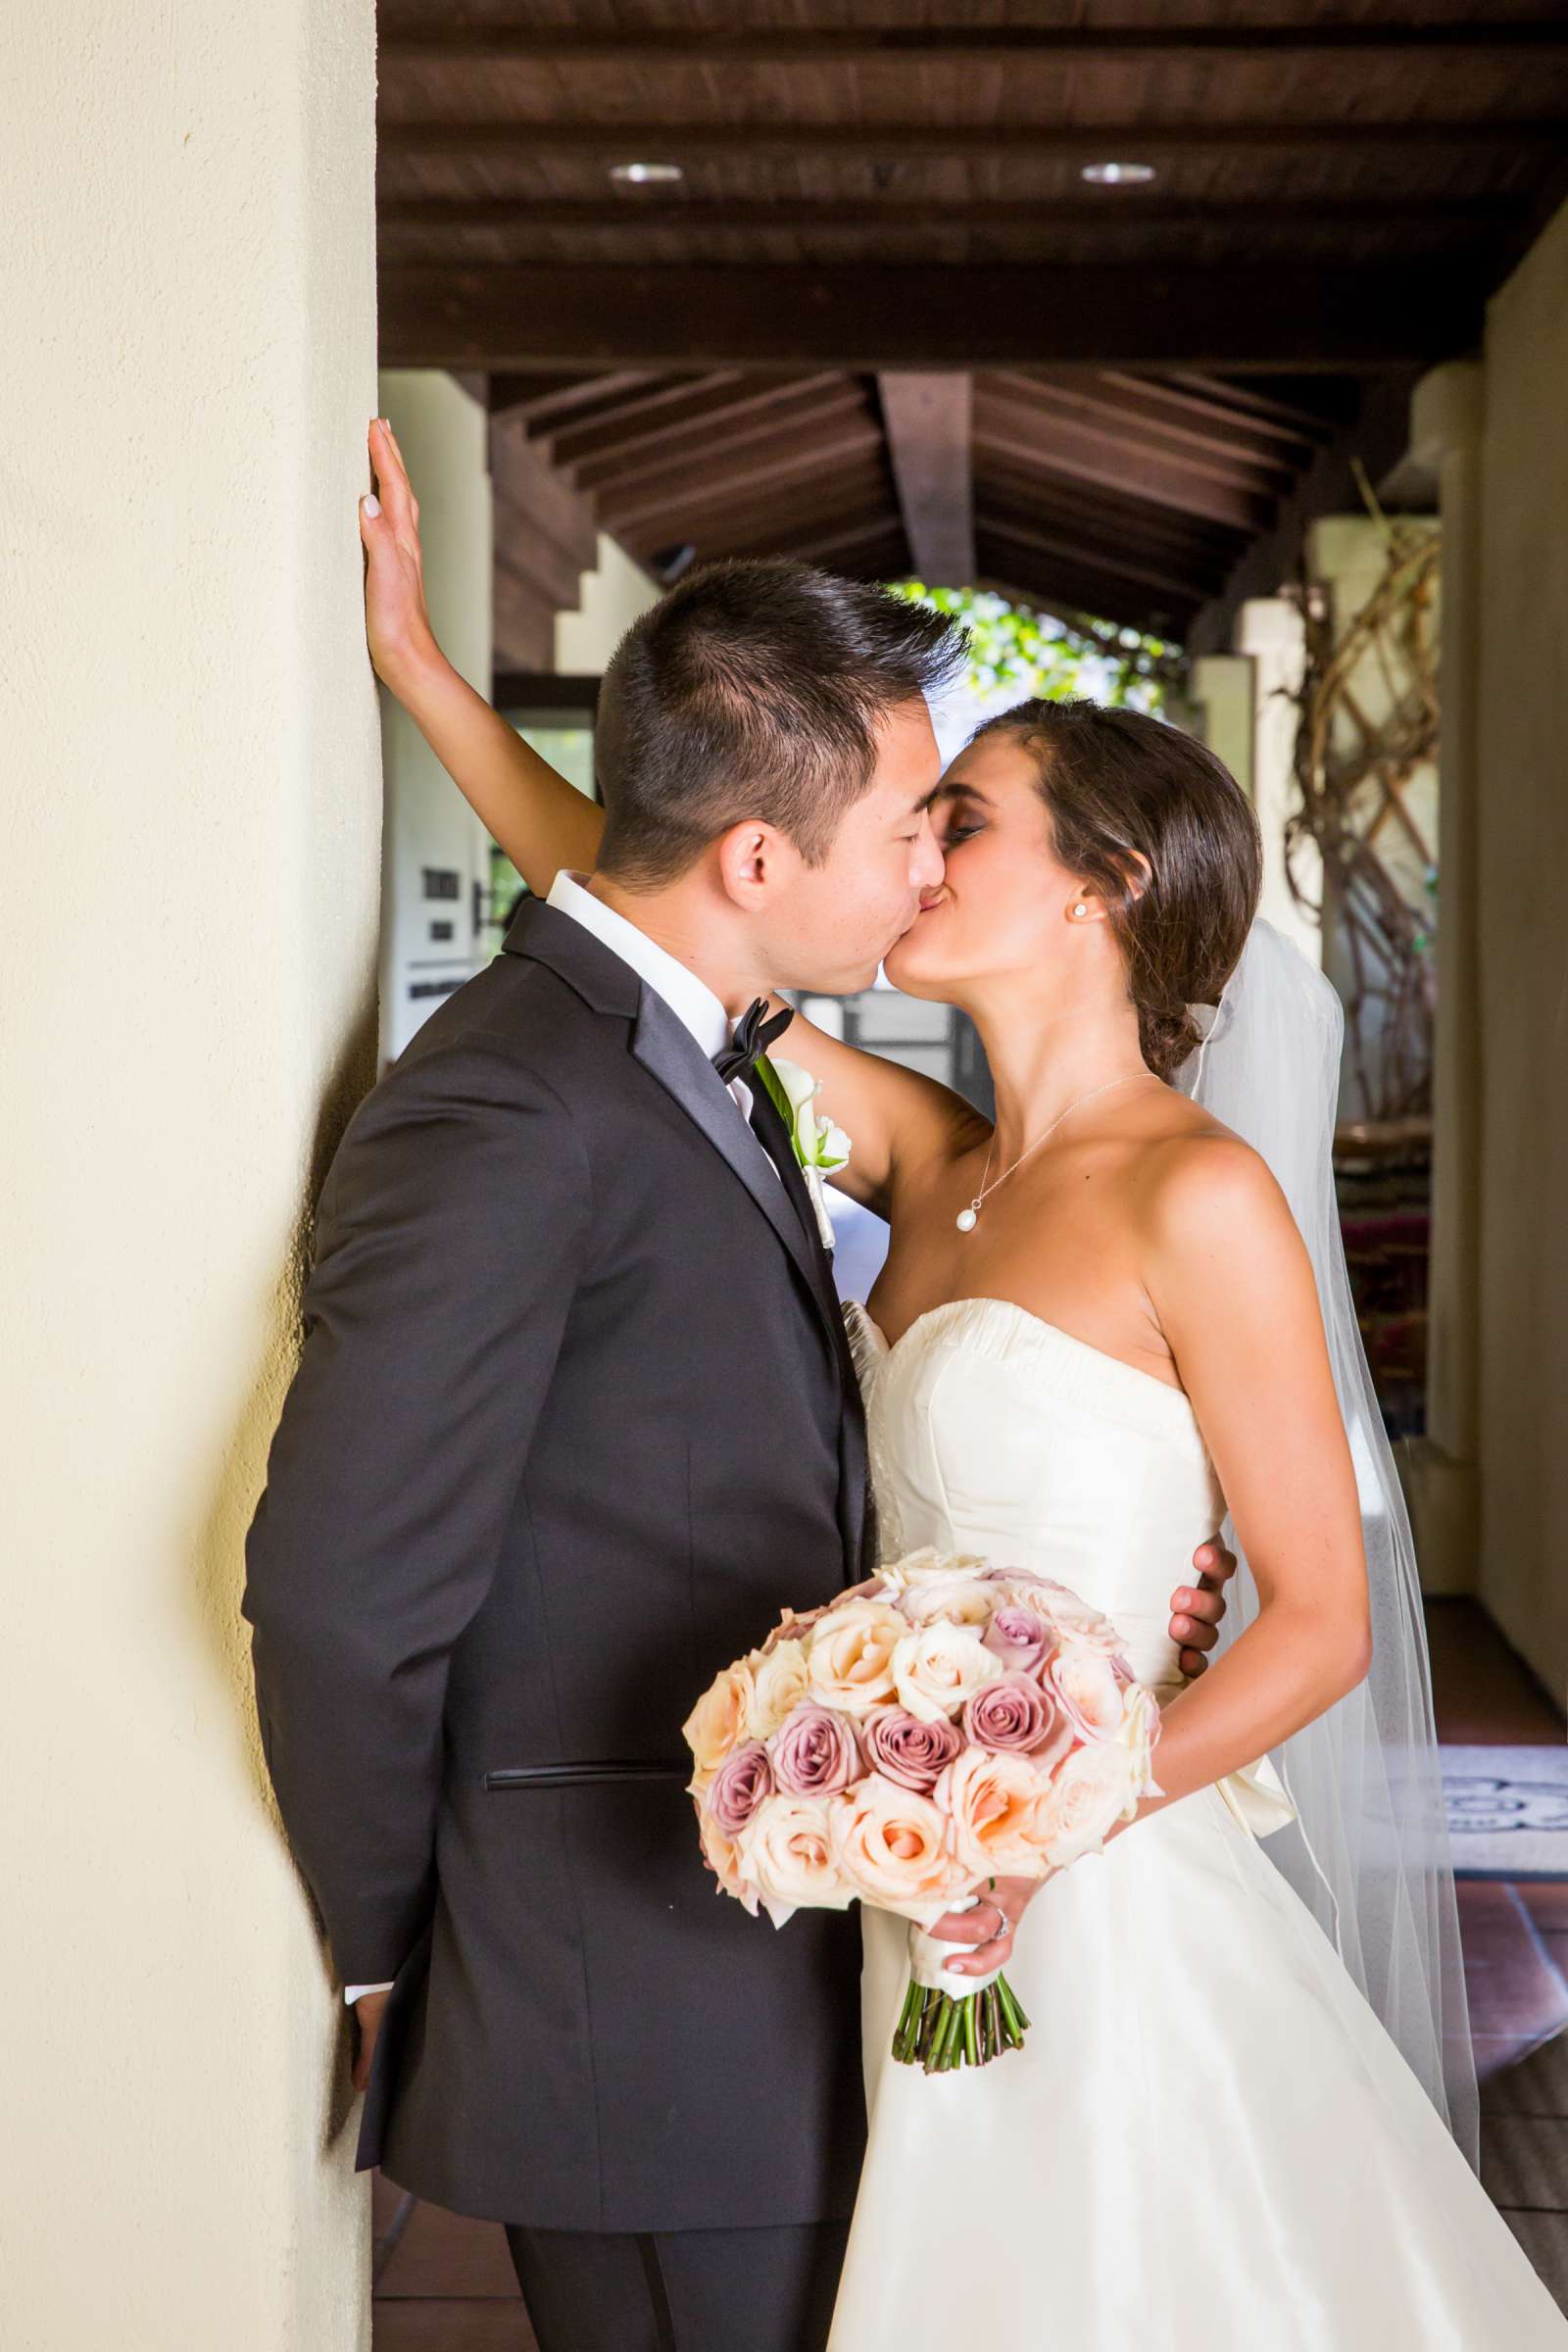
1085,1684
938,1669
780,1684
719,1720
891,1844
1092,1791
786,1851
998,1807
850,1660
723,1859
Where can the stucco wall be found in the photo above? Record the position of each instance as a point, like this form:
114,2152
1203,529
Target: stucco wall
1521,913
443,433
191,789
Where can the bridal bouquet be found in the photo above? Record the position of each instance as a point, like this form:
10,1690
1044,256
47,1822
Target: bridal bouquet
947,1726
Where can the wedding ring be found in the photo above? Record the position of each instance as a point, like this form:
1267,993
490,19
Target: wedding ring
1004,1927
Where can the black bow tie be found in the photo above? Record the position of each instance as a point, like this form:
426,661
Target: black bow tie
755,1032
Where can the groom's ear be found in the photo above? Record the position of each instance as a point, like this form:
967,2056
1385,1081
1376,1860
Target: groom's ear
752,858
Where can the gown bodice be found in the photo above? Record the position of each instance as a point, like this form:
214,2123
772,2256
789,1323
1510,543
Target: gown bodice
994,1433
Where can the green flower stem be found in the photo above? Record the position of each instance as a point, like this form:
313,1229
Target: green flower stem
940,2030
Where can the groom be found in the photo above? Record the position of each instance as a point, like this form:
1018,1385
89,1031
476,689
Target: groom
573,1419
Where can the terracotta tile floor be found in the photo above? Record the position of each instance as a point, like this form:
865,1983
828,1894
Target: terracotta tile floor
445,2285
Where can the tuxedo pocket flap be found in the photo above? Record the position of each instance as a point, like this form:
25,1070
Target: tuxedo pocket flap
582,1776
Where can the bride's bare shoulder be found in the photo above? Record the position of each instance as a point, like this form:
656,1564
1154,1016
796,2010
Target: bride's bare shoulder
1200,1186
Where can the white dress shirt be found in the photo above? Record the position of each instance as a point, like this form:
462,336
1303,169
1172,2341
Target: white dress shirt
690,999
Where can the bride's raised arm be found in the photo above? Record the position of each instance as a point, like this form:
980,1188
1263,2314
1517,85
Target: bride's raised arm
894,1117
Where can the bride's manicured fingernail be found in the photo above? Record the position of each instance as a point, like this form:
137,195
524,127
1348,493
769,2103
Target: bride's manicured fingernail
371,503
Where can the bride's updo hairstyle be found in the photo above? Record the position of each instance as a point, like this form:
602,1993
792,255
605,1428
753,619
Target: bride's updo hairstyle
1161,831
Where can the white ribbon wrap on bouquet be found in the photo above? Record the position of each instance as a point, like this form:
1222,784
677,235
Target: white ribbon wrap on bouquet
930,1954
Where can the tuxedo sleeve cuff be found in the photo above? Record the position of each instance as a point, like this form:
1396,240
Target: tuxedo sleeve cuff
352,1992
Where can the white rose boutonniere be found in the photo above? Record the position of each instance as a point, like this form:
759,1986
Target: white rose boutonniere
820,1147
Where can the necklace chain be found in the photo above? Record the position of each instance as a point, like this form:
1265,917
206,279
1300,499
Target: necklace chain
969,1218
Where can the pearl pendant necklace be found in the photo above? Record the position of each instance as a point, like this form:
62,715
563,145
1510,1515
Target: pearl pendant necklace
968,1218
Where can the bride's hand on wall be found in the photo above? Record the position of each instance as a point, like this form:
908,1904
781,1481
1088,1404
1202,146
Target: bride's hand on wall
397,625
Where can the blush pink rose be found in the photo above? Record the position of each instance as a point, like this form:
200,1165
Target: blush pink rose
1085,1684
786,1854
814,1752
1094,1790
906,1751
1018,1638
1014,1713
739,1786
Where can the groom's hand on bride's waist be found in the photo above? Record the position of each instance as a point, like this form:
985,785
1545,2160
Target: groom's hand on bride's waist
1197,1609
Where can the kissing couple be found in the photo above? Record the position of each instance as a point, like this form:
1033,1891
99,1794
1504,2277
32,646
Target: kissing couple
577,1409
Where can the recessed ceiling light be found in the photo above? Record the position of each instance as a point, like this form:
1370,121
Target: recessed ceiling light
1118,175
642,176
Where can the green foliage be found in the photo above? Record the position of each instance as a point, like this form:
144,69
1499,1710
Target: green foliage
1014,650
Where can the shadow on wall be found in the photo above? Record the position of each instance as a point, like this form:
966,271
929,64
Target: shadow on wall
238,1483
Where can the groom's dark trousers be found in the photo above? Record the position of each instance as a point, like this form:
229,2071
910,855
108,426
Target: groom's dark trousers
573,1420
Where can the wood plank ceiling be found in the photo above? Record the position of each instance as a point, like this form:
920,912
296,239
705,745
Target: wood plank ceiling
880,319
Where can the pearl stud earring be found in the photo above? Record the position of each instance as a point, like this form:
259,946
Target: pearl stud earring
1080,910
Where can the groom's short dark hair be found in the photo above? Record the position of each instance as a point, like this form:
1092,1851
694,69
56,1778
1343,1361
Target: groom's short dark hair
753,690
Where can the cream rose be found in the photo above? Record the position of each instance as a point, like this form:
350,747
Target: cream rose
719,1720
929,1566
851,1657
1086,1685
786,1852
998,1807
891,1844
779,1686
939,1668
1092,1791
954,1599
1138,1735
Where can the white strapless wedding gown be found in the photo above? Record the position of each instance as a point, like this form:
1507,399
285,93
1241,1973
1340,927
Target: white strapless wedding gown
1207,2143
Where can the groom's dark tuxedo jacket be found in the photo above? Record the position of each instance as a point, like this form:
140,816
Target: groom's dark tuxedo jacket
573,1419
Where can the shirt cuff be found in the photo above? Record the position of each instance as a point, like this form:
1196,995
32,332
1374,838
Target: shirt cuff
352,1992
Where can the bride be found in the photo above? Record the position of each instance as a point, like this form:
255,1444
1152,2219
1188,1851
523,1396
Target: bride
1103,1322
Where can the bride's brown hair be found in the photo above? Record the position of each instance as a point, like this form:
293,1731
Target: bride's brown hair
1160,829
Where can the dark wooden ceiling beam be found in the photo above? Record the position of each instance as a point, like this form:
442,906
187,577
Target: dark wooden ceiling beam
1122,417
539,398
511,316
662,394
1464,45
1114,208
1082,587
458,139
748,478
1071,550
1102,460
1223,435
928,418
719,448
1162,534
736,401
831,500
1215,412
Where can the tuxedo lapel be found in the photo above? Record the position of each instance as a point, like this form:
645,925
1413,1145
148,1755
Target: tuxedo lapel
855,1520
668,1052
